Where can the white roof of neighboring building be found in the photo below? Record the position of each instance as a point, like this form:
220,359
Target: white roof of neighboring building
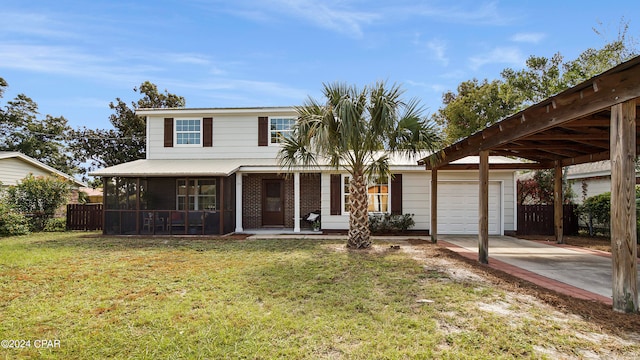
226,167
586,170
38,164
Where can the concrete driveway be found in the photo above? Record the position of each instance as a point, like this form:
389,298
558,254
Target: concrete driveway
578,268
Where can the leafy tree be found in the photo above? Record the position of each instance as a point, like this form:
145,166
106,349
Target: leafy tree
545,77
475,106
39,197
41,139
127,140
349,129
539,189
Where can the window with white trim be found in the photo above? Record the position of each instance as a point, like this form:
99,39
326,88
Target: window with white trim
188,132
280,129
377,192
200,193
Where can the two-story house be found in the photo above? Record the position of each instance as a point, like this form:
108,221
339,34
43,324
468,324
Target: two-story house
215,171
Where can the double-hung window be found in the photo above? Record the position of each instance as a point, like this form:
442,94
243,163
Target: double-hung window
280,129
188,132
199,194
378,198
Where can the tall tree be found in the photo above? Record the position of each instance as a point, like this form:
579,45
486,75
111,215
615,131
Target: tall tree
42,139
349,129
127,140
475,106
545,77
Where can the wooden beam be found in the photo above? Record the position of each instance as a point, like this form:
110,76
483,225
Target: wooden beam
220,206
514,166
623,207
557,203
546,137
613,87
434,206
483,209
586,158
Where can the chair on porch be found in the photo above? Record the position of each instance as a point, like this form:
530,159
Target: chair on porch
149,223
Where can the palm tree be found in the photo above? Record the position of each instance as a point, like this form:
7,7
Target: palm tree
354,130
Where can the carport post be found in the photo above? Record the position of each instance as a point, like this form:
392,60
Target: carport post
434,206
623,207
483,211
557,203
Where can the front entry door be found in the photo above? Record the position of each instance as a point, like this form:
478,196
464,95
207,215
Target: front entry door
272,203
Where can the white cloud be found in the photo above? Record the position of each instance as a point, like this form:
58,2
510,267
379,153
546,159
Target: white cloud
438,50
532,38
37,24
334,15
486,13
500,55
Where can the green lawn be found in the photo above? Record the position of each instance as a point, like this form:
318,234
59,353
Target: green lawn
104,297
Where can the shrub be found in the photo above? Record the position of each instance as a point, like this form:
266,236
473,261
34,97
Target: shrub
38,198
384,223
56,225
595,212
12,223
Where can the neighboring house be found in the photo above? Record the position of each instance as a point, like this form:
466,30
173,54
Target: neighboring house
15,166
591,179
215,171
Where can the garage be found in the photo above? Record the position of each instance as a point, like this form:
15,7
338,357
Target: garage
458,207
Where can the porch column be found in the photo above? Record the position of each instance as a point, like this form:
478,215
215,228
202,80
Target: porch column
483,209
239,202
557,203
296,202
623,207
434,206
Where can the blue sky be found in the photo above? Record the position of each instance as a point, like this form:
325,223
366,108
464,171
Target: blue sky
74,57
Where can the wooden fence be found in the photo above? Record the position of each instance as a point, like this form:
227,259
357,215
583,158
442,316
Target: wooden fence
84,217
538,220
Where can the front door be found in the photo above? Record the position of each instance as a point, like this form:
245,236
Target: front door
272,202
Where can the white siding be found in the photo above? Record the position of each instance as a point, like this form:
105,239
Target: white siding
594,187
416,188
12,170
416,196
235,136
330,222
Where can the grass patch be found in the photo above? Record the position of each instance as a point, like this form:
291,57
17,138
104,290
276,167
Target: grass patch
157,298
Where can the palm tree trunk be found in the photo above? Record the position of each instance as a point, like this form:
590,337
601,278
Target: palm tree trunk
359,235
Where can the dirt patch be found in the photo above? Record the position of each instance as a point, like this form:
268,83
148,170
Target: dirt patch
594,312
595,243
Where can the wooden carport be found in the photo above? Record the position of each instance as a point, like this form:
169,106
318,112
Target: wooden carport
593,121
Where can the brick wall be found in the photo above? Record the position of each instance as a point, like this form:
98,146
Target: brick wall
252,198
309,196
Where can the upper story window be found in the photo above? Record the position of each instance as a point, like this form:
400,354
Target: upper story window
188,132
280,128
377,193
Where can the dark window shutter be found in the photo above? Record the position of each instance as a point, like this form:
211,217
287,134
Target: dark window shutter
396,194
207,132
336,195
168,132
263,131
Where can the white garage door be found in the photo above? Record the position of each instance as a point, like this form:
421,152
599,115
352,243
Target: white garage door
458,207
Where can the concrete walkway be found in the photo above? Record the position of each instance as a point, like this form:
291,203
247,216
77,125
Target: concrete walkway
577,272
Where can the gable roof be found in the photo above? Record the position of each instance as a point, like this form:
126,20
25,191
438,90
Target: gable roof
44,167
